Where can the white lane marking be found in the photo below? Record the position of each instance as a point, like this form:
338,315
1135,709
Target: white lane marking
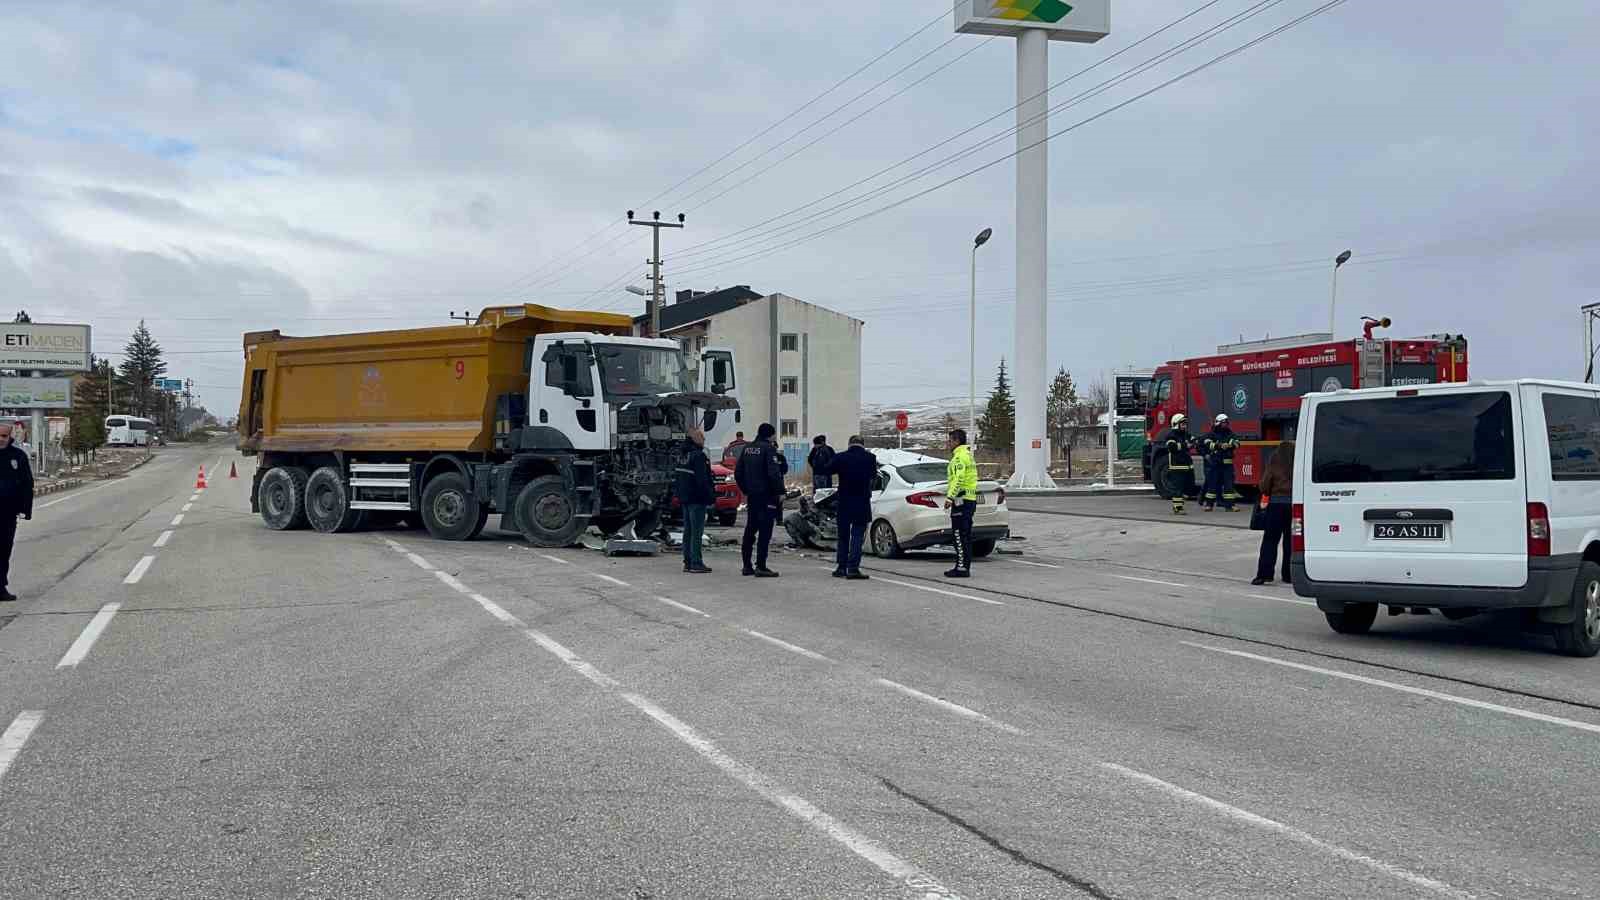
1147,580
1290,832
792,648
162,540
187,507
76,494
934,590
419,562
555,559
924,884
1293,600
450,580
683,606
1023,562
577,663
194,496
177,520
139,568
17,734
1407,689
394,546
617,581
956,708
91,633
497,610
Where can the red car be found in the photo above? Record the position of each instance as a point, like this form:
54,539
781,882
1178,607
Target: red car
725,511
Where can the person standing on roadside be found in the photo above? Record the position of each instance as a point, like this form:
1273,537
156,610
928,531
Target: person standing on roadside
1219,445
730,453
962,500
695,495
821,462
16,500
1180,464
857,470
759,475
1277,498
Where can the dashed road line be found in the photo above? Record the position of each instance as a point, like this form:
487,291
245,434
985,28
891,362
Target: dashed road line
792,648
497,610
419,562
1024,562
1407,689
555,559
1294,600
162,540
91,632
177,520
683,606
187,507
16,735
1288,831
934,590
139,568
1146,580
78,493
616,581
451,581
956,708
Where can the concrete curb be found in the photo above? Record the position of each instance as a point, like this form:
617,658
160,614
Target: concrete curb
1083,492
58,487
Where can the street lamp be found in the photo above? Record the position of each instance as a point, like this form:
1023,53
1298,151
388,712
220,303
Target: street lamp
972,340
1333,306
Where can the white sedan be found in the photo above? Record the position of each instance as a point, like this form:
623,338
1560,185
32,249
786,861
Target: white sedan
908,508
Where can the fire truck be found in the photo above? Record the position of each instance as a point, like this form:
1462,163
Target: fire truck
1258,384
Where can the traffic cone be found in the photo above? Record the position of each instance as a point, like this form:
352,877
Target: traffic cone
200,480
233,470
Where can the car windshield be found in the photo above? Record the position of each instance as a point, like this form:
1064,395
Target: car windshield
1438,437
630,371
922,473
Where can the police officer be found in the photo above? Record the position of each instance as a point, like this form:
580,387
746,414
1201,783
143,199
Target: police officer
16,499
857,470
1219,444
962,500
1180,465
759,475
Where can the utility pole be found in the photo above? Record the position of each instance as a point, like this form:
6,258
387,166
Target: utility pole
1590,313
655,225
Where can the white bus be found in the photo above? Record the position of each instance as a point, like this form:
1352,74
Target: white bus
128,431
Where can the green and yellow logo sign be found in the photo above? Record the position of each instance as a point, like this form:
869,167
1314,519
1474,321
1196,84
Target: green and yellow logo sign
1047,11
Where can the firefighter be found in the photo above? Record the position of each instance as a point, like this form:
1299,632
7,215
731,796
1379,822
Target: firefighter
1180,465
1219,445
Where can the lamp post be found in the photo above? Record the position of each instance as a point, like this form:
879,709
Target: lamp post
1333,306
972,340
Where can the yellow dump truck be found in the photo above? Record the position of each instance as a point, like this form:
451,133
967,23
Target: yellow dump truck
556,419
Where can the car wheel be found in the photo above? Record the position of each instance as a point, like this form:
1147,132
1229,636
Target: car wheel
980,549
1581,637
1357,618
328,503
449,508
726,519
283,498
548,512
885,545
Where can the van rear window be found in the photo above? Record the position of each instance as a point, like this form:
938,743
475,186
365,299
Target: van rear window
1437,437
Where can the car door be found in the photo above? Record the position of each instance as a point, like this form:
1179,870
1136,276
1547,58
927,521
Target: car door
1565,424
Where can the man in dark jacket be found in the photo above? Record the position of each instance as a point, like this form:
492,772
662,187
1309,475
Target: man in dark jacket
730,453
857,470
760,476
821,462
695,494
16,499
1219,445
1180,464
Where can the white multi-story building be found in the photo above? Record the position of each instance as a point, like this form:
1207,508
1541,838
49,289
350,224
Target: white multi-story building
798,365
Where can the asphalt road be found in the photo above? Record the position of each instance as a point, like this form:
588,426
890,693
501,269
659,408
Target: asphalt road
1113,713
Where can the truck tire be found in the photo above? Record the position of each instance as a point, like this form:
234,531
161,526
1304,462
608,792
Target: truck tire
450,511
1581,637
328,503
1357,618
283,498
483,521
548,512
1158,477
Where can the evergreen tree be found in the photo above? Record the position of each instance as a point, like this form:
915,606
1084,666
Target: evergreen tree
141,366
1059,406
997,427
87,430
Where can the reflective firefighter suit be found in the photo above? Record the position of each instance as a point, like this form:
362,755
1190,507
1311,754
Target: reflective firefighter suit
1180,466
1219,444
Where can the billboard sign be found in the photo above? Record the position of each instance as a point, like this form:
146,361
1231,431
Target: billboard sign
170,385
36,393
1132,392
1080,21
28,345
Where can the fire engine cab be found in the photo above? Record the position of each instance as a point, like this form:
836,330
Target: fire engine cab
1258,384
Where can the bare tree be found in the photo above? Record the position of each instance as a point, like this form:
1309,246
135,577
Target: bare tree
1099,395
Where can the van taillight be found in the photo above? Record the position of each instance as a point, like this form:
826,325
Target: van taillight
1297,528
1538,530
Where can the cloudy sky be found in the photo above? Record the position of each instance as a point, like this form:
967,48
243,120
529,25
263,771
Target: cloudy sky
339,166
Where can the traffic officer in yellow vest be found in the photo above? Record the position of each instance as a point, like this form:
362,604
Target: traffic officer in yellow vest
1180,465
962,500
1219,445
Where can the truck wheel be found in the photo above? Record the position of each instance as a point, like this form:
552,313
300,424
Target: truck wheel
1357,618
283,498
980,549
1159,477
726,519
328,503
1581,637
450,510
483,522
548,513
884,543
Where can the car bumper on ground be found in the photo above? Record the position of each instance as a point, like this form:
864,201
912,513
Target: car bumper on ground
946,536
1549,585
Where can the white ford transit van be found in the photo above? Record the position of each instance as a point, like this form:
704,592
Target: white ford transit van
1463,498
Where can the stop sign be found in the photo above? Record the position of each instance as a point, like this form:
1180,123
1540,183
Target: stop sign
901,422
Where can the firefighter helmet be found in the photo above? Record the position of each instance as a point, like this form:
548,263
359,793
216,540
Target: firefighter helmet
1179,420
1222,419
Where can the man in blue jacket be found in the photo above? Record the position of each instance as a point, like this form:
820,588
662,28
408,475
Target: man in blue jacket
760,476
857,470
